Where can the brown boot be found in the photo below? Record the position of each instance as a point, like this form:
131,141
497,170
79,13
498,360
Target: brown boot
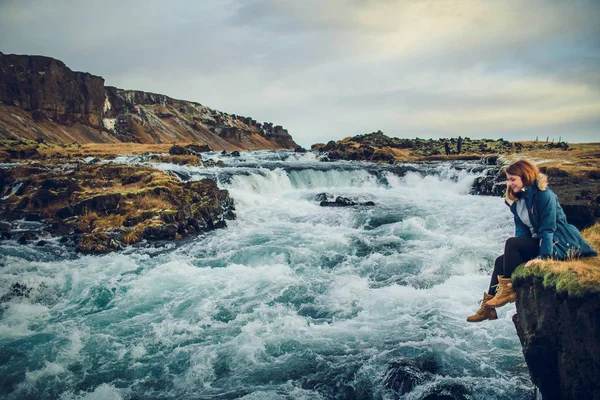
504,294
484,312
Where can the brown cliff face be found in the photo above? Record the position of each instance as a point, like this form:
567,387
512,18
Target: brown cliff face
50,90
41,98
560,335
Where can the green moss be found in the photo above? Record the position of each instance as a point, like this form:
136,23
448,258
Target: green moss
565,283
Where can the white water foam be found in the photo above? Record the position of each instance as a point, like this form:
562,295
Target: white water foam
292,300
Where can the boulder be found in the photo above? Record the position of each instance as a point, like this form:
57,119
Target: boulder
198,148
97,243
27,237
560,335
344,202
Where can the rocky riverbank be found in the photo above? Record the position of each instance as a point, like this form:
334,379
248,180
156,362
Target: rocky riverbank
377,147
104,207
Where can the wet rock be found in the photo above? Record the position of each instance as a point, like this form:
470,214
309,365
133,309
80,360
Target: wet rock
183,175
490,160
403,376
102,202
161,232
213,163
33,217
300,149
178,150
593,174
449,391
323,197
198,148
41,243
235,153
97,243
106,213
344,202
16,290
491,184
5,226
27,237
22,204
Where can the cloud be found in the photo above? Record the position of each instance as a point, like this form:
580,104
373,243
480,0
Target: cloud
326,70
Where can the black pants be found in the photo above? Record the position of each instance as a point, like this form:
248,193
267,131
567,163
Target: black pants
516,252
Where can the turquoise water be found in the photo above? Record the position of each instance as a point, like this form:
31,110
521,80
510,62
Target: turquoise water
291,301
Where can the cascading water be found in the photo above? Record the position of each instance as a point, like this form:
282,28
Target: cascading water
291,301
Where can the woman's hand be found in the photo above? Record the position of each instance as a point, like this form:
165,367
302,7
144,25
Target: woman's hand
533,262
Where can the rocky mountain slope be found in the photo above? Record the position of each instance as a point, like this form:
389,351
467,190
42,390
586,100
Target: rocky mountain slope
41,98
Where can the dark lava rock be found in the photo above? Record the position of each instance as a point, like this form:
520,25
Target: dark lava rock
344,202
213,163
97,243
177,150
452,391
161,232
235,153
323,197
198,148
16,290
560,335
27,237
33,217
402,376
300,150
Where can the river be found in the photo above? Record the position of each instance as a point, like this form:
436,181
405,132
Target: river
291,301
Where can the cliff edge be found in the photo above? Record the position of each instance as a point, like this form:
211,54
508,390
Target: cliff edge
558,323
41,98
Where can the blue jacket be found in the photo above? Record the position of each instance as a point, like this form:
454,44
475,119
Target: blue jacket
558,239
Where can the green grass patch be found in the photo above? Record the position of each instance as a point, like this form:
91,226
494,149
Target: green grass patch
568,282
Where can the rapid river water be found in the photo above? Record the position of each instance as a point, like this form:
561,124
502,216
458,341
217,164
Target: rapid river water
291,301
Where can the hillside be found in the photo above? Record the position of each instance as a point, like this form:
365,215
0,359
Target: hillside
41,98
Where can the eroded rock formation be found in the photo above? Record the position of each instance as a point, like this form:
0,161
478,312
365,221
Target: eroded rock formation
560,334
104,207
41,98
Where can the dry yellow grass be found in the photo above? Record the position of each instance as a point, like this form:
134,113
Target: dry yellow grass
102,150
581,159
147,202
189,159
109,222
134,235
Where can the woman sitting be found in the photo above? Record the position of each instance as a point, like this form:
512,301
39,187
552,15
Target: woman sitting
541,232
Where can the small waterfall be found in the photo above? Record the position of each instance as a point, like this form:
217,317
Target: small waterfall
291,301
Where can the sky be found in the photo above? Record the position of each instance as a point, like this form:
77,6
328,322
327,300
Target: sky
325,70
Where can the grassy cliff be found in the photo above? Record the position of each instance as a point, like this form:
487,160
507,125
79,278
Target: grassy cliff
576,277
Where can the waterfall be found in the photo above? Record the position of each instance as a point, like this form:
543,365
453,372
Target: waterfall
291,301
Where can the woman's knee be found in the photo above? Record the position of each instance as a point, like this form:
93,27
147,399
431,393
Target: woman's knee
499,265
511,244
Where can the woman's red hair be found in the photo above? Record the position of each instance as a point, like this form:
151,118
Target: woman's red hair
524,169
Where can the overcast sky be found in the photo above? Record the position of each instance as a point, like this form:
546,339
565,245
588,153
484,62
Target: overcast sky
330,69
